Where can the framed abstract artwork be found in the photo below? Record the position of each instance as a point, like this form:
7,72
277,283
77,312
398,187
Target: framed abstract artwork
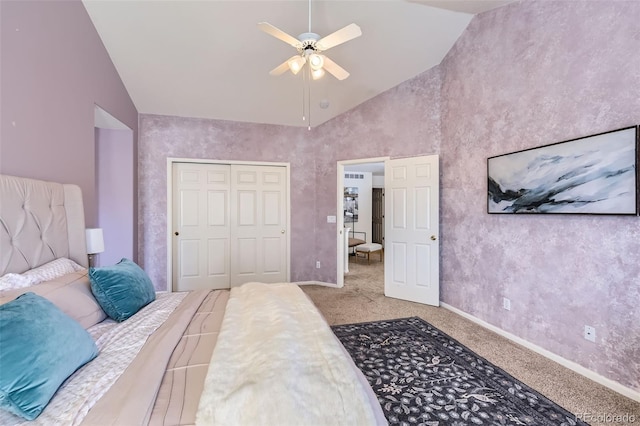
596,174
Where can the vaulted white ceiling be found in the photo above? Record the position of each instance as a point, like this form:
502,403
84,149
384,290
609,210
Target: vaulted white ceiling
208,59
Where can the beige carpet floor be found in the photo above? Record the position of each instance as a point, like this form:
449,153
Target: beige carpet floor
362,299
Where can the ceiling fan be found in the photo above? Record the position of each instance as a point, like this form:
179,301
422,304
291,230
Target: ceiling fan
310,47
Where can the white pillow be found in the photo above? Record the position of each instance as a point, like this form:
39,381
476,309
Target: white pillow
52,270
13,281
47,272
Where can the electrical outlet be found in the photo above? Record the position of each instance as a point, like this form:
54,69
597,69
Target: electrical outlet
506,303
317,264
589,333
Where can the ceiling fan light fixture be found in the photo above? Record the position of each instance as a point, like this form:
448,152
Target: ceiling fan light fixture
317,74
309,46
296,64
316,61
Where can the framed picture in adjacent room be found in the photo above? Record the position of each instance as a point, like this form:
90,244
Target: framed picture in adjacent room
596,174
350,204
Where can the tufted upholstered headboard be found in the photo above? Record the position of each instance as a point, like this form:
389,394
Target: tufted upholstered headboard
39,222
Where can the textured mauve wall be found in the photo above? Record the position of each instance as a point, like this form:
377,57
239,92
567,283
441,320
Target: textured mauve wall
521,76
54,70
404,121
162,137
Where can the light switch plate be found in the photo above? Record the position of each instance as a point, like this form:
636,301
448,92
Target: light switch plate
331,219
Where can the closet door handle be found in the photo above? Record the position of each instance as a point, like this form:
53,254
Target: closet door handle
282,231
177,233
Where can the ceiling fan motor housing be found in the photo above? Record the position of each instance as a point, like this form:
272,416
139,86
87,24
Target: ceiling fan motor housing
308,42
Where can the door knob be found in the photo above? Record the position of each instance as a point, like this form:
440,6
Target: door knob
177,233
433,237
282,231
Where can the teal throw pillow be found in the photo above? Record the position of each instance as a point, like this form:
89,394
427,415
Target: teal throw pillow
40,346
122,289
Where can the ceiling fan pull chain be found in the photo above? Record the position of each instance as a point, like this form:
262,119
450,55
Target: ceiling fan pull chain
304,95
309,96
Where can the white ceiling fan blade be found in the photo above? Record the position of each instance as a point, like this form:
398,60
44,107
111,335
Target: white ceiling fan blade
347,33
286,66
336,70
279,34
280,69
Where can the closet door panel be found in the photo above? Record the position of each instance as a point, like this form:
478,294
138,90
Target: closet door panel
259,212
201,229
229,225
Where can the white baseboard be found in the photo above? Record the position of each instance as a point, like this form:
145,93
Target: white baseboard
613,385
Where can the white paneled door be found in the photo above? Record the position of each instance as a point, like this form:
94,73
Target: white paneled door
412,270
201,196
229,225
258,225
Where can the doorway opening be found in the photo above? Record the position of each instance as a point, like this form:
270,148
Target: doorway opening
358,220
115,187
411,231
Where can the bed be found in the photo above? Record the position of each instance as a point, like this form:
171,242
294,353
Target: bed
99,346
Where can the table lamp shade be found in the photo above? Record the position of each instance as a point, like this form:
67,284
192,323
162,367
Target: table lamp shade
95,240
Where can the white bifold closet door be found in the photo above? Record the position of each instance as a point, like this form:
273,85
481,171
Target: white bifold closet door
230,224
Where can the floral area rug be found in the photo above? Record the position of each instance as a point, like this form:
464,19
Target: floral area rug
422,376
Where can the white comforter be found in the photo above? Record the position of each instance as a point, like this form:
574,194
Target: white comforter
278,363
